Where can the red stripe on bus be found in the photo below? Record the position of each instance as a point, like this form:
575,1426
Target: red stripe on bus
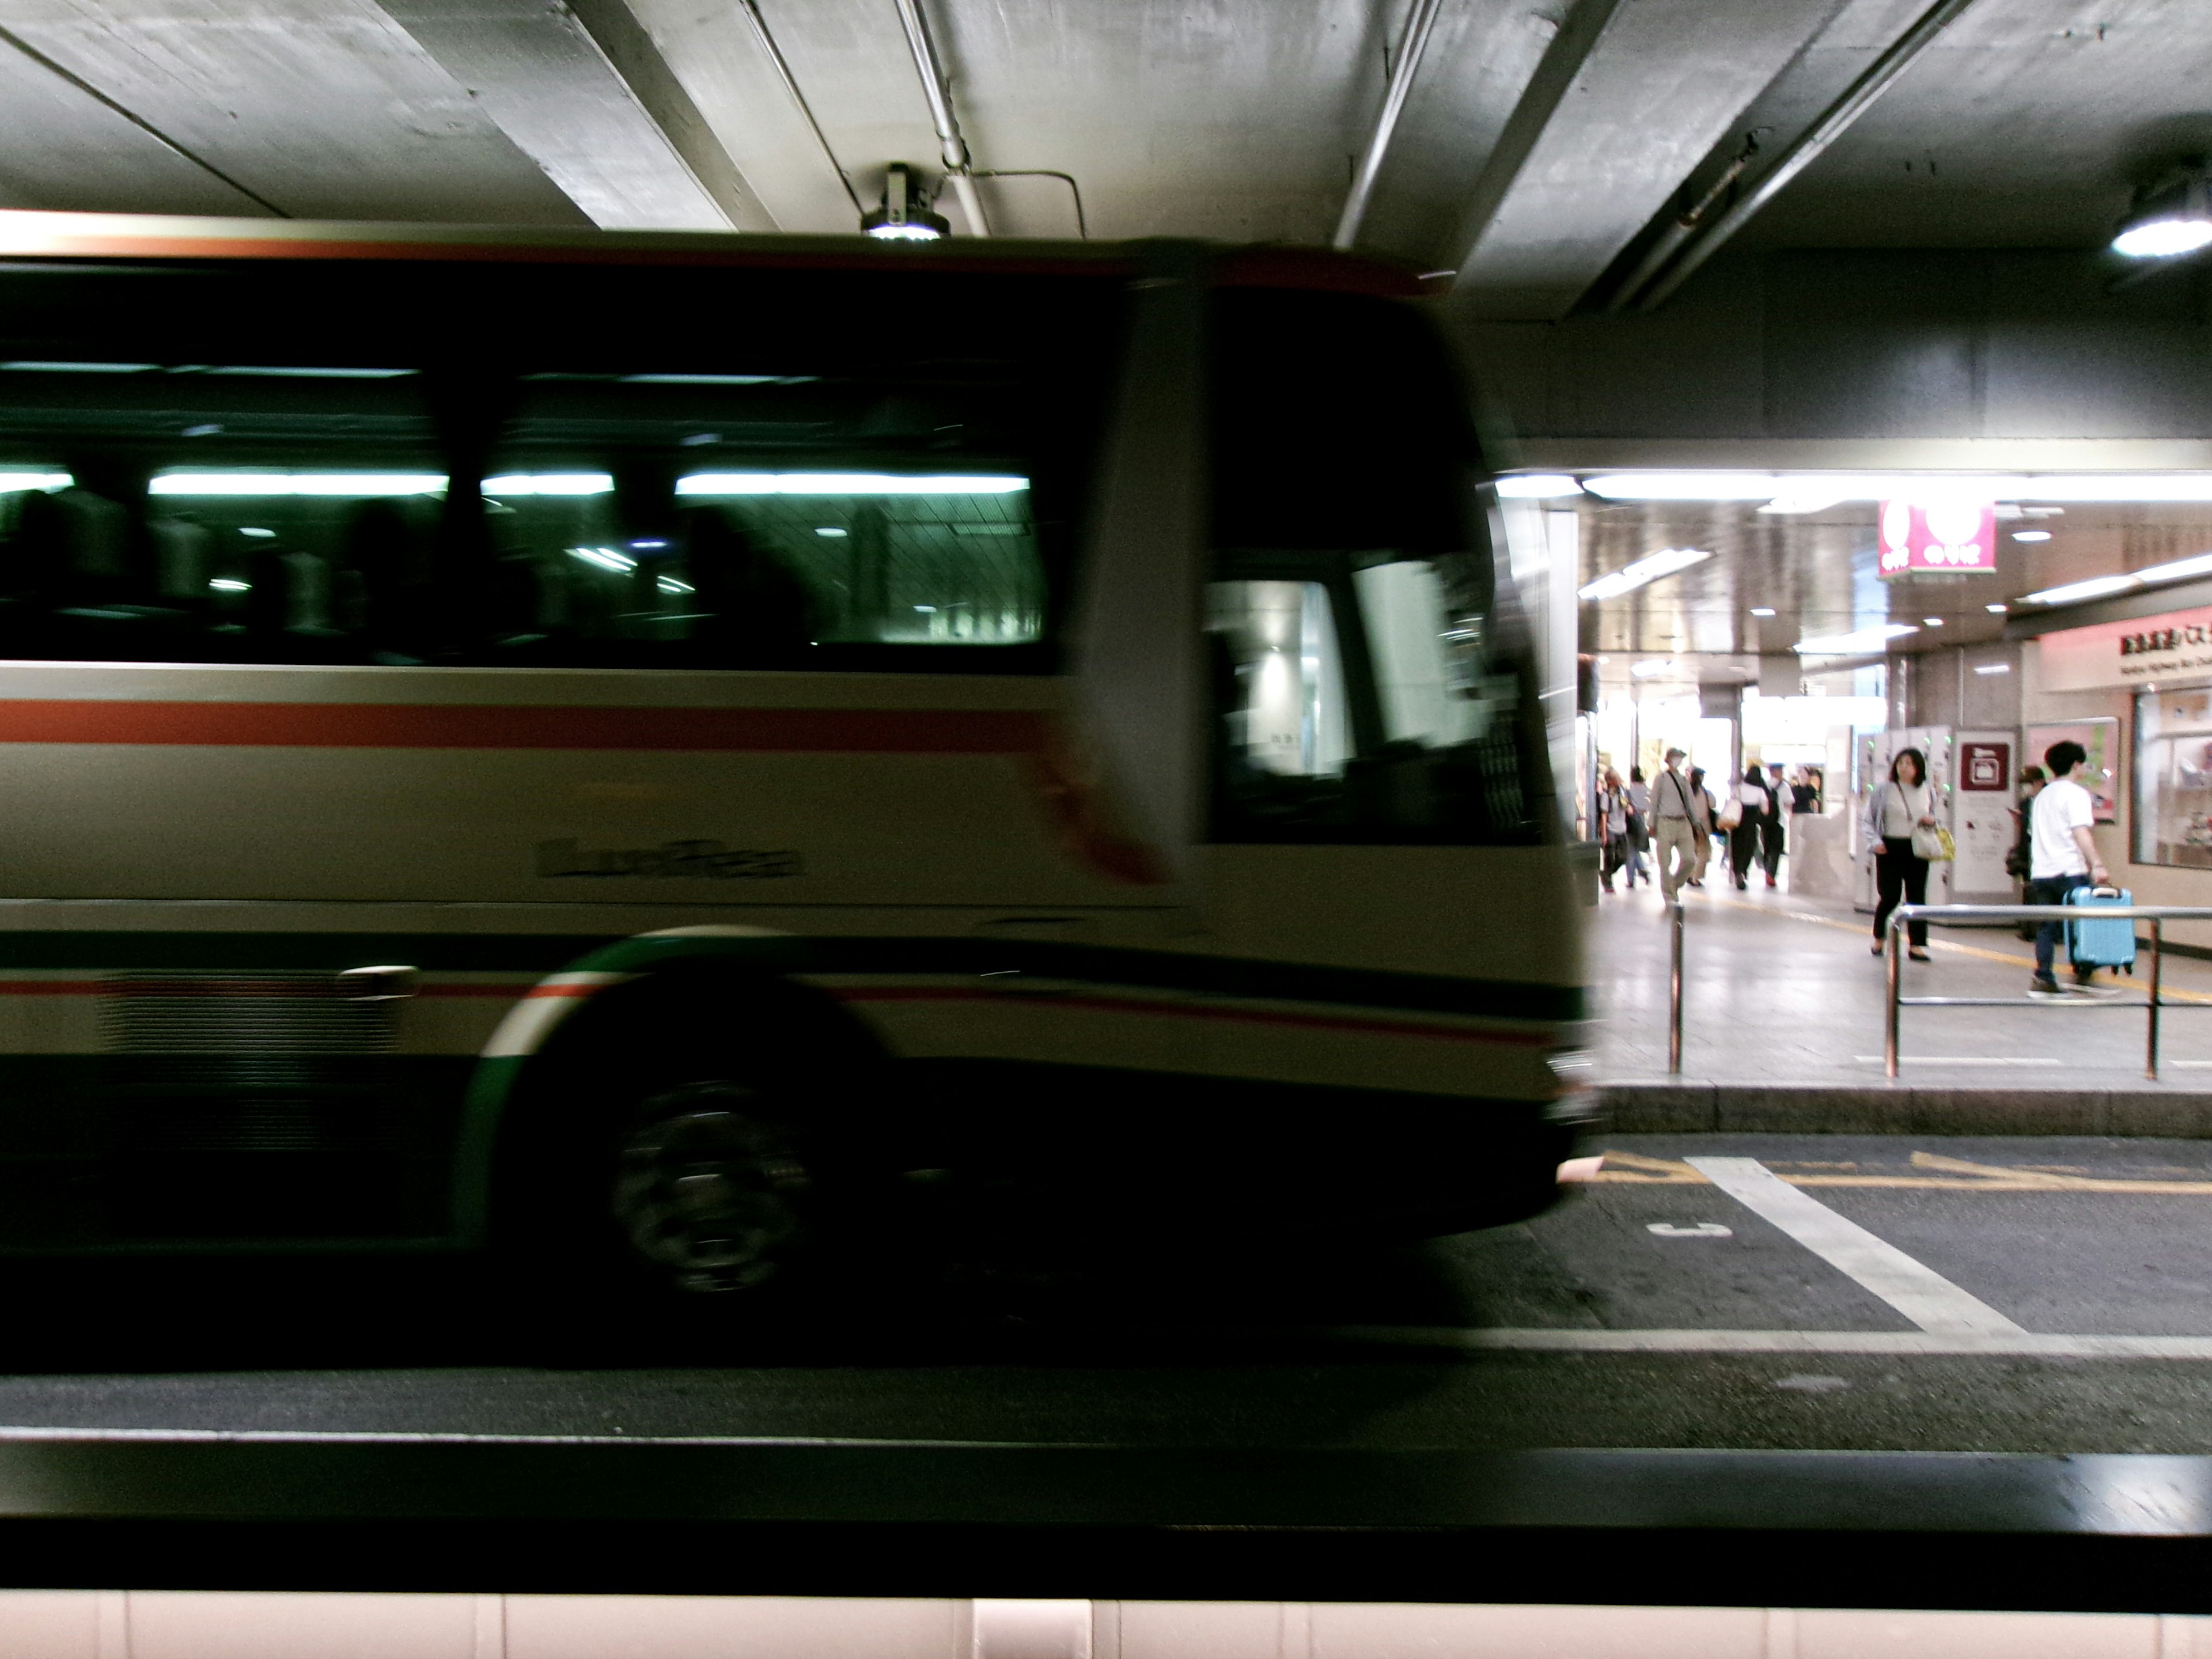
1196,1011
122,985
407,726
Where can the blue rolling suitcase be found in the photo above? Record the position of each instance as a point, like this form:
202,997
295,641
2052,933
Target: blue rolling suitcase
2101,944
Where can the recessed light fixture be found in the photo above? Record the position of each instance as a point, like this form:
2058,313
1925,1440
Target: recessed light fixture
2095,588
1993,668
1665,562
1931,621
2031,535
830,531
1995,610
1762,610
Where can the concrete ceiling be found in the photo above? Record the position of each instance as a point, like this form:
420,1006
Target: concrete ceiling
1545,140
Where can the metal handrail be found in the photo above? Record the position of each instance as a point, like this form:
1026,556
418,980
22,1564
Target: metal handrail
1946,915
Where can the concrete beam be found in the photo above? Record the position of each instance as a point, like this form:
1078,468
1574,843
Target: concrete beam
1631,96
582,91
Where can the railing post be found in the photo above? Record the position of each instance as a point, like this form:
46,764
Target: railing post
1674,991
1894,960
2157,961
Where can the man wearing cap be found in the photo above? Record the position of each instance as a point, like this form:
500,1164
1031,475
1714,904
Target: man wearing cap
1674,821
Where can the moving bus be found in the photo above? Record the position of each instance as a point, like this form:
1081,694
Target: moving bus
645,748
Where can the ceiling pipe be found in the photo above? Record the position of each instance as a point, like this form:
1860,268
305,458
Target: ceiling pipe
1419,26
959,167
1701,243
752,11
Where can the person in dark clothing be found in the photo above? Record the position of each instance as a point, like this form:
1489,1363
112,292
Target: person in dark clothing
2020,859
1771,828
1756,803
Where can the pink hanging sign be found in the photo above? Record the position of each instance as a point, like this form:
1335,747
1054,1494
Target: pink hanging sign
1938,535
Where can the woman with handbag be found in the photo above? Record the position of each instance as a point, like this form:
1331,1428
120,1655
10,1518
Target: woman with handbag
1612,826
1900,827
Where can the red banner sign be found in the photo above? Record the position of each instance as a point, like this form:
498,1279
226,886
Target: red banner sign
1938,535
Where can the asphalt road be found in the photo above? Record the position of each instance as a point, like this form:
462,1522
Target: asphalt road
1656,1308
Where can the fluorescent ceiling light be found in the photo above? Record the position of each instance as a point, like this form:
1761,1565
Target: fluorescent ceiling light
1931,621
1665,562
700,380
1812,501
2031,535
550,483
1862,643
1993,668
1651,665
1995,610
1685,486
1762,610
2117,487
2199,566
606,557
832,531
1537,486
848,484
11,481
318,374
83,368
345,484
229,585
2095,587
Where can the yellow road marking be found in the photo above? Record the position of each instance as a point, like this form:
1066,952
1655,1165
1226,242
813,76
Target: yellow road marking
1954,1175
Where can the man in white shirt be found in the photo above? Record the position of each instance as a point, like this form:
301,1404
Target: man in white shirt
2062,854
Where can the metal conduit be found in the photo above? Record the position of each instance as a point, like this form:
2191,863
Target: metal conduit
1419,26
953,148
1808,146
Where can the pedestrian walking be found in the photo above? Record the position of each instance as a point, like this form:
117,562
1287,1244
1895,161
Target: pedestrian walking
1677,854
1639,826
1805,791
1613,826
2062,856
1702,809
1753,803
1898,807
1771,829
2020,860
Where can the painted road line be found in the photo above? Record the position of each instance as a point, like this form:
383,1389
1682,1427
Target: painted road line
1952,1175
2018,1344
1919,1292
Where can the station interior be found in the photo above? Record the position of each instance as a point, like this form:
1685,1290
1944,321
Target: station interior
650,652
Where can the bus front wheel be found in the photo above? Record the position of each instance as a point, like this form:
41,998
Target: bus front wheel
713,1191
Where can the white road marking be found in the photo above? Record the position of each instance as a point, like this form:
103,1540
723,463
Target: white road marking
1695,1229
1919,1292
2026,1345
1967,1059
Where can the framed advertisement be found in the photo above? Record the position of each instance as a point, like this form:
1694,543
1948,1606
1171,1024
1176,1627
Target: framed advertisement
2099,774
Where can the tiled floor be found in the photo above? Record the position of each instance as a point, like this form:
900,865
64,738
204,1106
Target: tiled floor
1781,990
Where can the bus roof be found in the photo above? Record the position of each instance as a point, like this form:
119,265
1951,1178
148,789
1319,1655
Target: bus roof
29,234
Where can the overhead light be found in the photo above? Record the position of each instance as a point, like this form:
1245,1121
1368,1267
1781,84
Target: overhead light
2031,535
1995,610
1537,486
1762,610
11,482
2095,588
1931,621
1817,501
1993,668
1858,644
905,215
832,531
1805,492
1651,665
229,585
850,483
2199,566
342,484
1665,562
2169,218
550,483
1685,486
255,531
606,557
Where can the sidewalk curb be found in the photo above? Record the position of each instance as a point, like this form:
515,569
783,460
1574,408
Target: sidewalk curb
1899,1108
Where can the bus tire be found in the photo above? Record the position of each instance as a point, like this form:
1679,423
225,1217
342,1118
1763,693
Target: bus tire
655,1171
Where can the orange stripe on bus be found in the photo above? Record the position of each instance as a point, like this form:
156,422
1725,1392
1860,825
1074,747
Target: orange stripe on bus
408,725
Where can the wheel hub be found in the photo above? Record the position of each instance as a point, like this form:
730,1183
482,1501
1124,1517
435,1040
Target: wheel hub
708,1191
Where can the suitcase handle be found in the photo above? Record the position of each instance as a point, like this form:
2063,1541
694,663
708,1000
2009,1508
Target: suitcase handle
2103,892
